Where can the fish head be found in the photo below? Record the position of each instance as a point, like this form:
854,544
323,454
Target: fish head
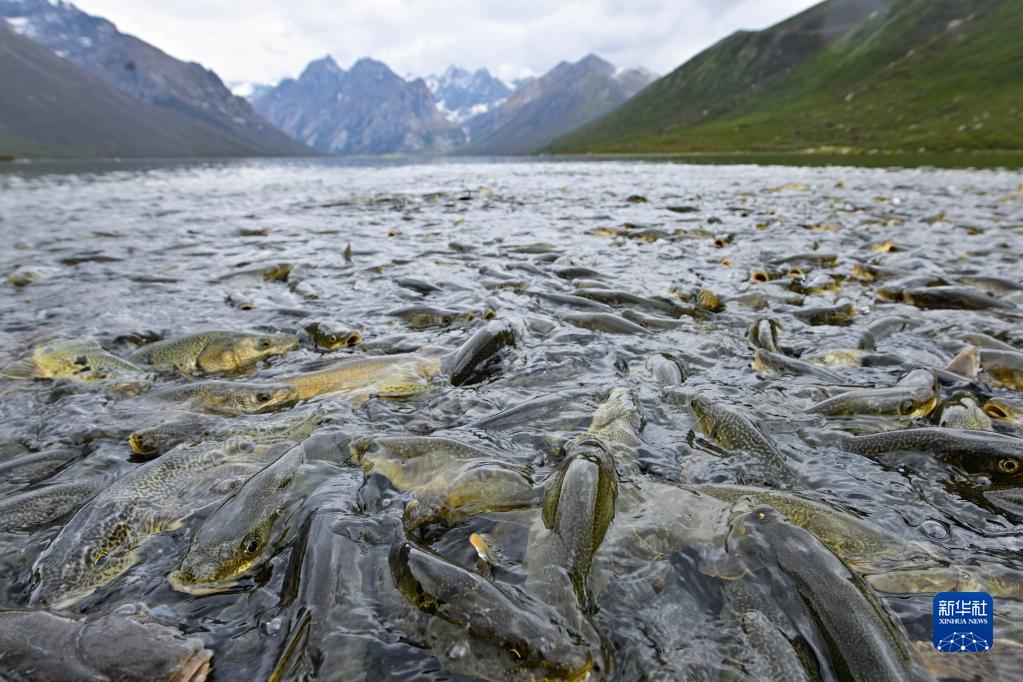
249,398
145,441
238,351
333,339
749,537
219,555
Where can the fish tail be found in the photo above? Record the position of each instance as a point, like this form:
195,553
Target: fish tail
25,368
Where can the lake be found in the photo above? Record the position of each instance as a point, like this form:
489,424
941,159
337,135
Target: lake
631,279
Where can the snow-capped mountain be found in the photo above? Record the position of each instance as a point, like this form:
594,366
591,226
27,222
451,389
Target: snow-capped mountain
461,94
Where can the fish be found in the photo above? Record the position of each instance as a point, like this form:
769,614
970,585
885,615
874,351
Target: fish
883,327
843,604
81,360
529,633
604,322
964,413
578,507
615,297
618,421
213,351
239,534
651,321
365,373
102,540
43,505
839,314
952,297
38,465
1004,368
777,658
862,544
733,429
937,440
915,395
764,334
704,298
666,369
449,479
966,363
766,362
195,428
995,454
37,646
1005,409
461,365
422,317
332,337
229,397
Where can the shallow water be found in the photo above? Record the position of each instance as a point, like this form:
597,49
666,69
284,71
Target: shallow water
131,253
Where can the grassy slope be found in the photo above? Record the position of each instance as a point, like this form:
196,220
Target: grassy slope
838,75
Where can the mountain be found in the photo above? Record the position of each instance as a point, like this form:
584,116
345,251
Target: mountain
50,107
566,97
366,110
851,74
148,75
460,95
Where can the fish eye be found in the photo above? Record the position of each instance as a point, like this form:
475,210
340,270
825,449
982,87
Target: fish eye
250,545
263,397
332,338
907,406
1008,466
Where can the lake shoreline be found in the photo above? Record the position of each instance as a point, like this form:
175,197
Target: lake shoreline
1008,158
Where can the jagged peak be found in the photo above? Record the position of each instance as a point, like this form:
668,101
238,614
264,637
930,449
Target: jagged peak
323,66
594,61
370,64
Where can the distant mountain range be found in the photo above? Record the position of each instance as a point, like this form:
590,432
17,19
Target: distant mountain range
204,111
845,76
366,110
461,94
371,110
848,75
566,97
94,91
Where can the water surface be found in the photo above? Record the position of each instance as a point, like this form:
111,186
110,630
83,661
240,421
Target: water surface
132,252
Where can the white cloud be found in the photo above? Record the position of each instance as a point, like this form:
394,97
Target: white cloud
265,40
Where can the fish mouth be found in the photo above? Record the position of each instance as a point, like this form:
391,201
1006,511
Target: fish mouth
198,589
137,446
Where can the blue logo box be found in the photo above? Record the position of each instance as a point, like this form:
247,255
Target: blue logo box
964,622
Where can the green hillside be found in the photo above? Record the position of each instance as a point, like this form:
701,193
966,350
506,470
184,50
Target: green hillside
856,75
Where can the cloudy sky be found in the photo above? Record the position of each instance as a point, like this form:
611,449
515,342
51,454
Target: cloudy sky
266,40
